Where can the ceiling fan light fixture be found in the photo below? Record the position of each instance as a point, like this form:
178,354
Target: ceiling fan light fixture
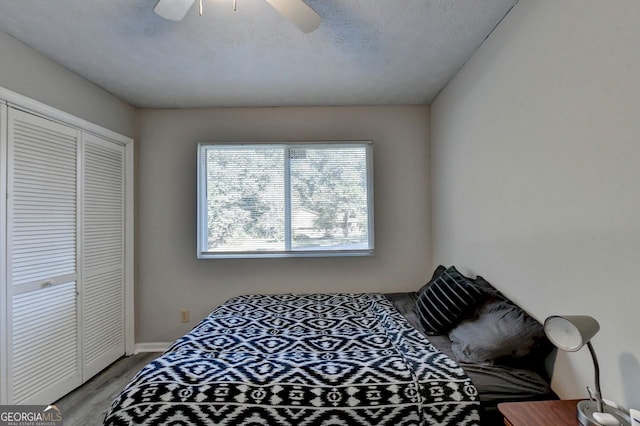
297,12
173,10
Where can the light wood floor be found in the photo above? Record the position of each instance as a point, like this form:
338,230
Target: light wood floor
87,405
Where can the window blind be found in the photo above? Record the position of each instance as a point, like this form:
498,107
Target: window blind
285,199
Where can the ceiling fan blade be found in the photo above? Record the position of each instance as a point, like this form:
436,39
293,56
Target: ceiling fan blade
298,12
174,10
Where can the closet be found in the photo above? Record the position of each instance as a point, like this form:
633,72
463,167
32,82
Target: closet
66,257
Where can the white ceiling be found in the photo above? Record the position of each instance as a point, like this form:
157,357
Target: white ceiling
365,52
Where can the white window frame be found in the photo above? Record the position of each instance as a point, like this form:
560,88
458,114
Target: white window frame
202,208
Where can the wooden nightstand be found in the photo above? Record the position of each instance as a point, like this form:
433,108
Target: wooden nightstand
540,413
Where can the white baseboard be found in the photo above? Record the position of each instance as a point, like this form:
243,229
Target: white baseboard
151,347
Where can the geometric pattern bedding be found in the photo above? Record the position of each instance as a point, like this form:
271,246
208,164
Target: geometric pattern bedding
314,359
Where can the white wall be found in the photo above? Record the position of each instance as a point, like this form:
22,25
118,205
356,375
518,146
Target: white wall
536,175
28,72
170,278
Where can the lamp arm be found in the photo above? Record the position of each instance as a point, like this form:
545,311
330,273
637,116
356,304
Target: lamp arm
596,368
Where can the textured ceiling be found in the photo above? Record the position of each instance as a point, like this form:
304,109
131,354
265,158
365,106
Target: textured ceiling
365,52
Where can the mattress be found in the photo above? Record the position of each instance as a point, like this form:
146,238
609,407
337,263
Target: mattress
302,360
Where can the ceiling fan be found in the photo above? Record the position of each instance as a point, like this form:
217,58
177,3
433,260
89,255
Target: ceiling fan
297,11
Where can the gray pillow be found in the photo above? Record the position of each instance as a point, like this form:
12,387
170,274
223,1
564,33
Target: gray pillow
500,332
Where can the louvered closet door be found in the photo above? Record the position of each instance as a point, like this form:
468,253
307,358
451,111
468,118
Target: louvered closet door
102,254
42,218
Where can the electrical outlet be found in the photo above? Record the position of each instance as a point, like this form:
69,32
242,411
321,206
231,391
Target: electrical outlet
184,315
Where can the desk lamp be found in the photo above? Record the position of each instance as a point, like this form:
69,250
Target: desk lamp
570,333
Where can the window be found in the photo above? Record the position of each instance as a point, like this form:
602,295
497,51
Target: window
270,200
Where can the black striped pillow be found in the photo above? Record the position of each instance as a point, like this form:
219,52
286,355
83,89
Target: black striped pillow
439,270
448,300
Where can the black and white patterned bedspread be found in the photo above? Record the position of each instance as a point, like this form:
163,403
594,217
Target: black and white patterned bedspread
315,359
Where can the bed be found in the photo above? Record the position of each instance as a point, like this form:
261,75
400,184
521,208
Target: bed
324,359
